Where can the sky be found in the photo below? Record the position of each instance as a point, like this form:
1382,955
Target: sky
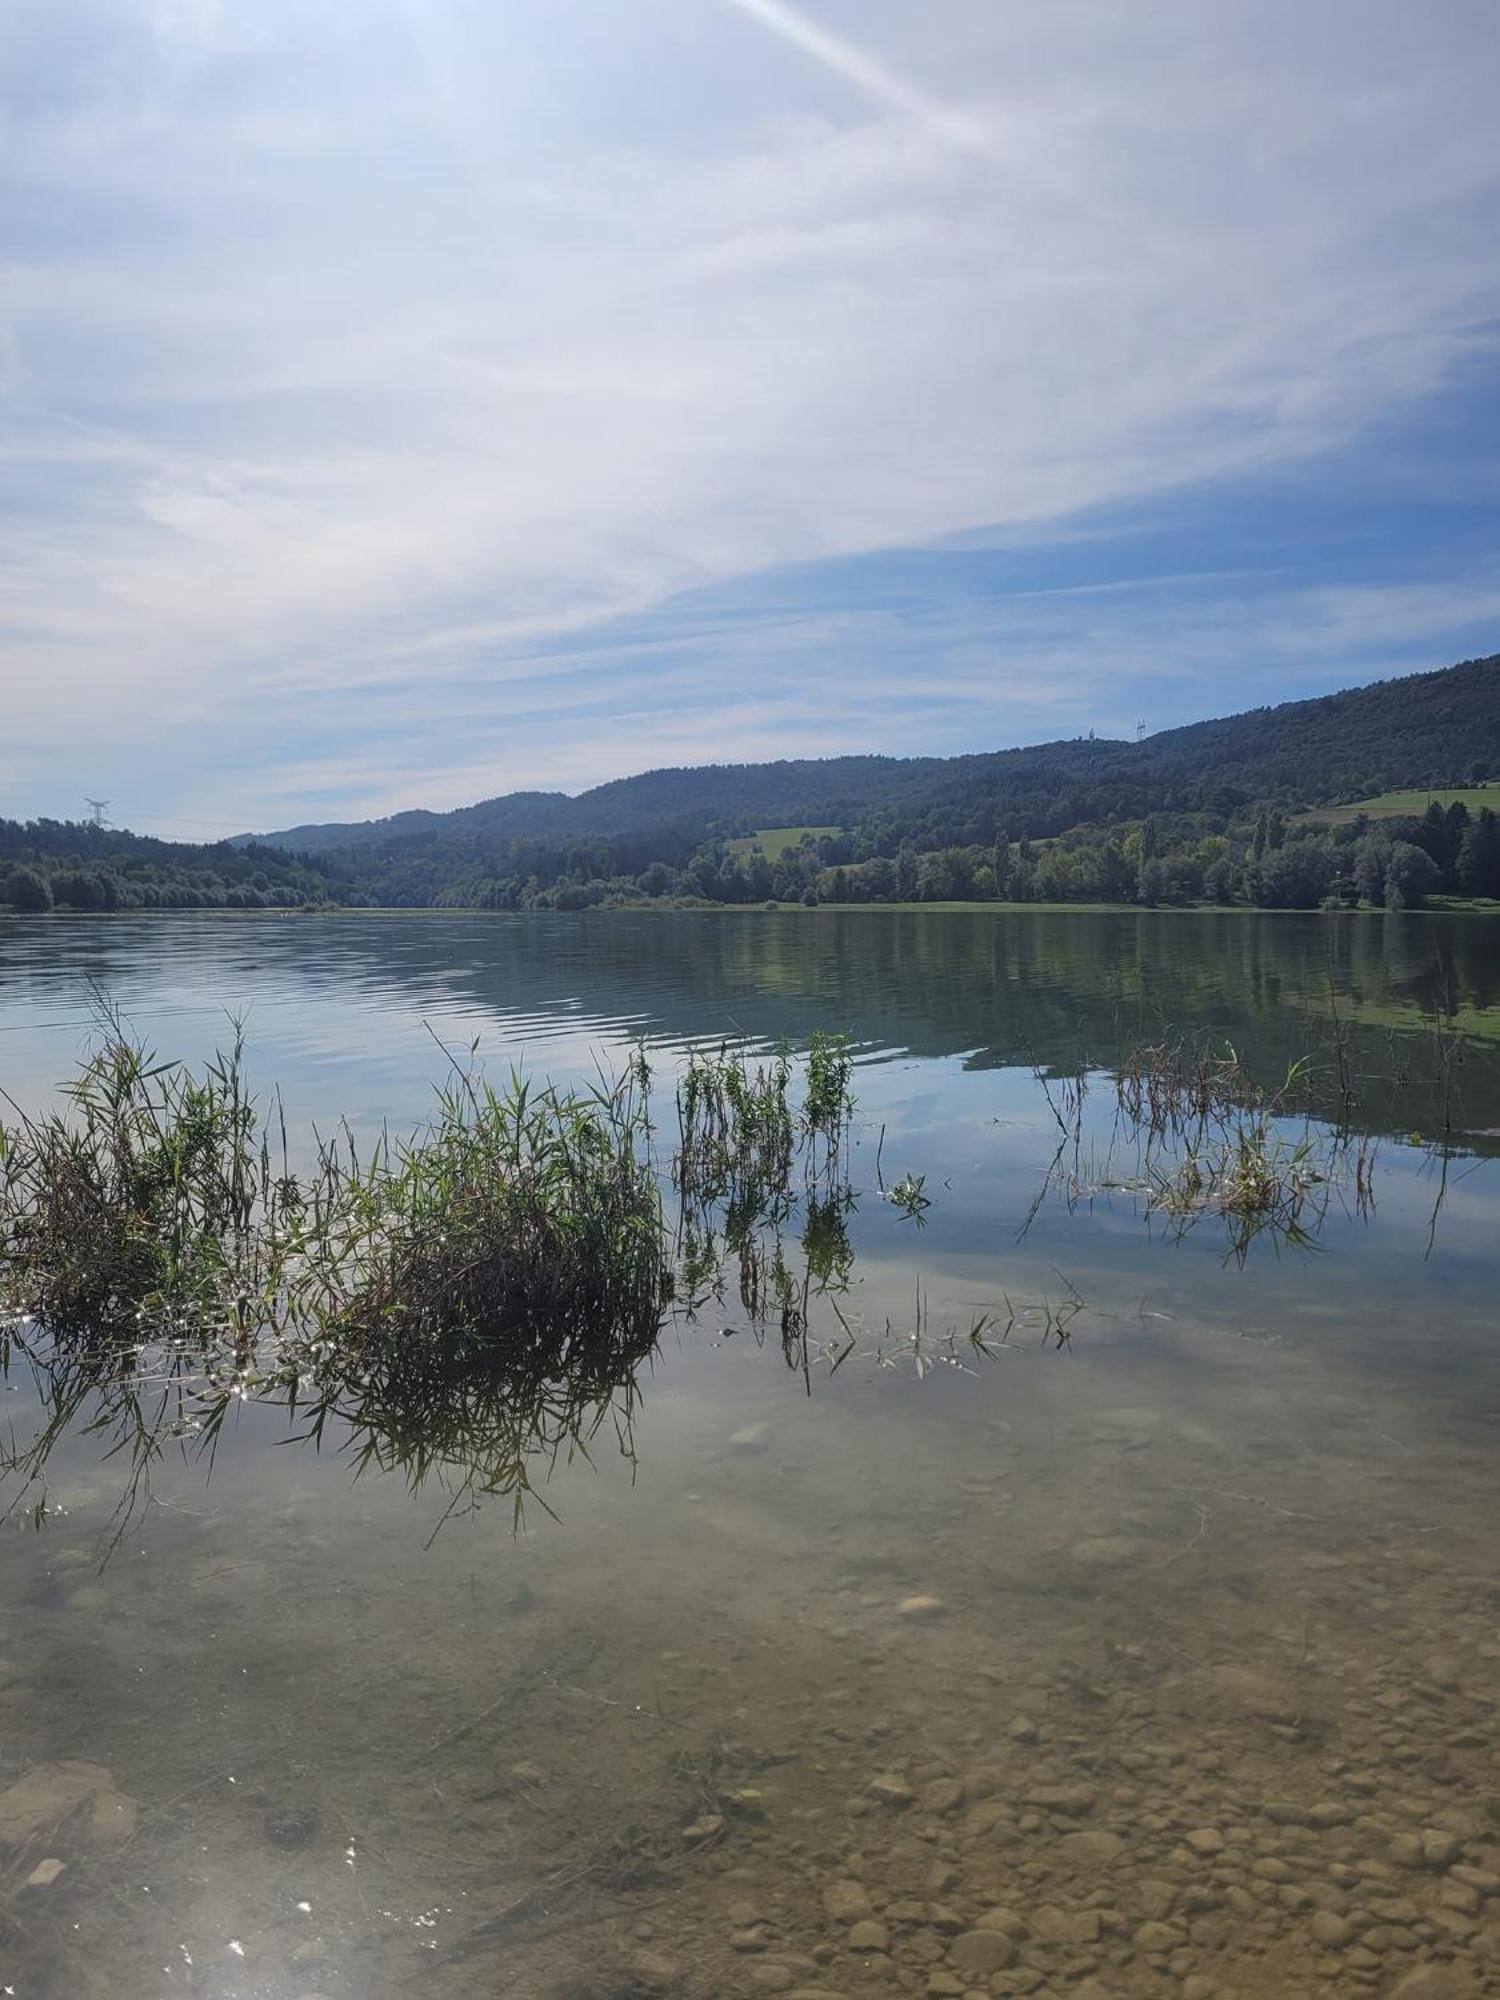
408,401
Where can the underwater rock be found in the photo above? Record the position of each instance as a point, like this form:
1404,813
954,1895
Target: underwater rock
1074,1800
890,1790
1439,1848
649,1972
291,1826
918,1610
771,1977
1437,1982
46,1873
1256,1694
846,1902
979,1953
1332,1931
1091,1850
50,1792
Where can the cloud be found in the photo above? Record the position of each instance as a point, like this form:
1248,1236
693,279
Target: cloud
357,356
857,66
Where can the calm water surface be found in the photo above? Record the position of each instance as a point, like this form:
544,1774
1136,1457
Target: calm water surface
1161,1661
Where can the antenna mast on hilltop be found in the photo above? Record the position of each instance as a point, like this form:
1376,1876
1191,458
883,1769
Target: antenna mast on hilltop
97,809
1140,729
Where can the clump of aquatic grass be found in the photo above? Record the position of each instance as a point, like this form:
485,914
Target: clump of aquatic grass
828,1102
910,1196
152,1195
738,1138
523,1222
1163,1087
1205,1138
736,1134
456,1304
1257,1180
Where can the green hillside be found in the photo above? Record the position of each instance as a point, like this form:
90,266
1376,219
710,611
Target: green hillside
776,842
1411,803
1261,808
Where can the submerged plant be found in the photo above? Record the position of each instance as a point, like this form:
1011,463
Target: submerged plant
910,1196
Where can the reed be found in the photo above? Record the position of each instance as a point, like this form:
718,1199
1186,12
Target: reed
152,1197
522,1221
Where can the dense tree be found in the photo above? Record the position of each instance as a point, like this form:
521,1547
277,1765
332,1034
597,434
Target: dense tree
24,889
1479,856
1411,875
1297,875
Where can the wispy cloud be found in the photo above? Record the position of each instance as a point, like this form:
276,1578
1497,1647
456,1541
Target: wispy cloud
395,355
866,72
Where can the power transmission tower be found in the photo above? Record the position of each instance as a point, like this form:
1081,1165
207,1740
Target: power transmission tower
97,809
1140,729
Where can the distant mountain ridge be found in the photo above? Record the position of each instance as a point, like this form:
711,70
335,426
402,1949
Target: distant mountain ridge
1205,813
1420,729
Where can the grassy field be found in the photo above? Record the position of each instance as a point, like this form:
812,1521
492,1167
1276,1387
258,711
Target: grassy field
774,841
1392,805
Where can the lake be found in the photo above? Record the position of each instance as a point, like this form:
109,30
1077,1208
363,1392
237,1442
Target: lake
1089,1600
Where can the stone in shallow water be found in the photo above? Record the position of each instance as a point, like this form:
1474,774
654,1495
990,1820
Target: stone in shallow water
1437,1982
1439,1848
773,1978
36,1803
291,1826
1071,1799
1091,1850
46,1873
1256,1694
979,1953
1331,1930
917,1610
846,1902
890,1790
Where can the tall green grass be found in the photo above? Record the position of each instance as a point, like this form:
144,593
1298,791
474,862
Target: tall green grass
151,1197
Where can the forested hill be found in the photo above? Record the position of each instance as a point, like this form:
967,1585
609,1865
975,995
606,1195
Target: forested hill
1218,811
1425,729
50,863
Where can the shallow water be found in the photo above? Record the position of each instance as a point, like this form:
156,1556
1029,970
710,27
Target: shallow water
1138,1664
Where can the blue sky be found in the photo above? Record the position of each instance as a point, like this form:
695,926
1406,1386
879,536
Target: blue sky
403,401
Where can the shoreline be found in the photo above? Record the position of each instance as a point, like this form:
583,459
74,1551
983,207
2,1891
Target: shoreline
1439,906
